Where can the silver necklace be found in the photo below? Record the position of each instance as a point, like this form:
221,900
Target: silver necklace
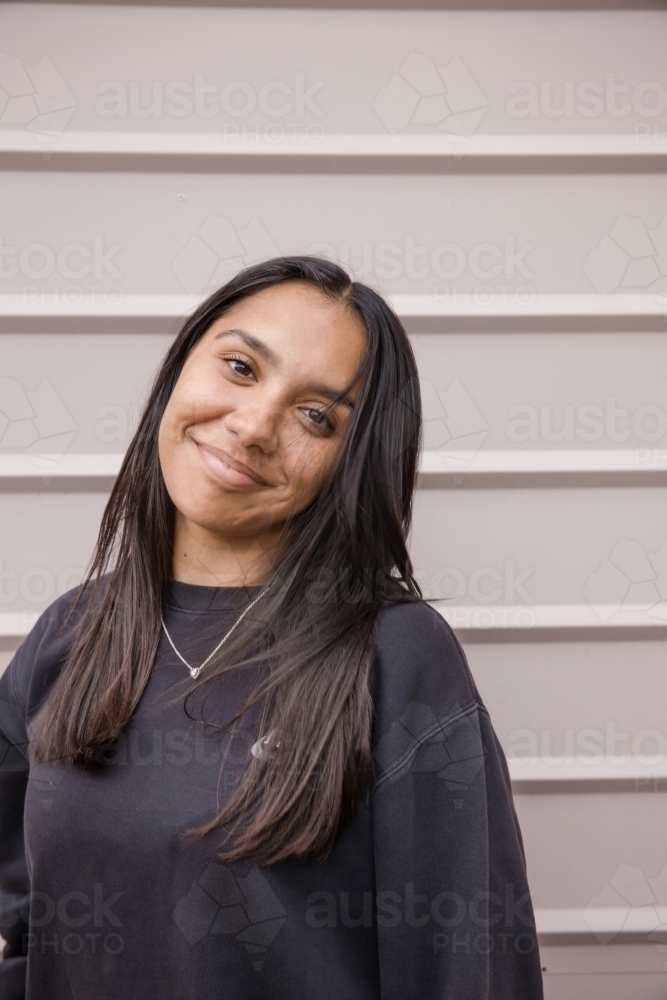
194,671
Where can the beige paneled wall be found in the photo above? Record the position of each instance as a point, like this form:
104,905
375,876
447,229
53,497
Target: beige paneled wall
500,175
530,71
456,237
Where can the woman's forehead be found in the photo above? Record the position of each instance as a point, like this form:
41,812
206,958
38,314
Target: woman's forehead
286,323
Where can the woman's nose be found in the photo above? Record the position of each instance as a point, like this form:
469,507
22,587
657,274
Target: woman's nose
255,424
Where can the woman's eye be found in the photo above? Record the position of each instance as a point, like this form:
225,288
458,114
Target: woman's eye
319,418
239,367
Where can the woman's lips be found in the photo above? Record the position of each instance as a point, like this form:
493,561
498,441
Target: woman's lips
221,469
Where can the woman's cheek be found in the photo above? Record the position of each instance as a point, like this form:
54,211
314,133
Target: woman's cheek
317,466
305,457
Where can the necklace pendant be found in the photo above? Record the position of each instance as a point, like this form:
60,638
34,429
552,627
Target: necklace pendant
195,671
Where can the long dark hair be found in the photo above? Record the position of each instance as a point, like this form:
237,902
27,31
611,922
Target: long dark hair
313,654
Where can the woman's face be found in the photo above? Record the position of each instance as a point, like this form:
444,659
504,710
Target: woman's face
243,442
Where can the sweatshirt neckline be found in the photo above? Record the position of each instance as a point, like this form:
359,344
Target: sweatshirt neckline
194,597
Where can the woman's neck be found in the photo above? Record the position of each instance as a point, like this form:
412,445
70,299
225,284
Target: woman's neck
205,558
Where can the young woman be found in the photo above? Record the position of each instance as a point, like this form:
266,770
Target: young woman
245,759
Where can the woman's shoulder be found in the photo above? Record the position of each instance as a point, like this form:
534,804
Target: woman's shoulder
428,713
419,662
39,658
417,619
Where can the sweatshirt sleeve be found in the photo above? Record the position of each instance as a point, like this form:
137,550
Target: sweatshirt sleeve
23,686
454,913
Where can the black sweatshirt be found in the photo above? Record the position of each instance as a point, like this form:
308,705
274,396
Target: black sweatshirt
423,897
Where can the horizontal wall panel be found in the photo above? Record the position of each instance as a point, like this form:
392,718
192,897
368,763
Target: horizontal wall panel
614,571
610,986
40,564
91,391
580,846
579,392
568,699
613,959
492,65
482,244
610,971
498,548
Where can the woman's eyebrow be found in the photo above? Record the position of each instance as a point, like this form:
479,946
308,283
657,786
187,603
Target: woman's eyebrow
255,344
320,389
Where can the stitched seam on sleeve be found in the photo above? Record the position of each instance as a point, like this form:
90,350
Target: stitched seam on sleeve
440,726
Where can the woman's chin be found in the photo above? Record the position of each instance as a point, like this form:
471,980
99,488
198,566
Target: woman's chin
236,520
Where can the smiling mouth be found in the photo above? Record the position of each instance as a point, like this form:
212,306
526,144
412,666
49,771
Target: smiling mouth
227,470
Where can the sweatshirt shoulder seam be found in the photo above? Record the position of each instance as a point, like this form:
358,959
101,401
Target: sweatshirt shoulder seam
440,726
